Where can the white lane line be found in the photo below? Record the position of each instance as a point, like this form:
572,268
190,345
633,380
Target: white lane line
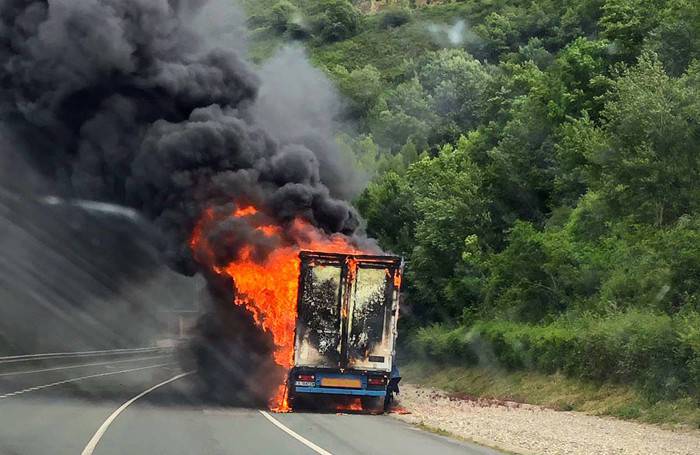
111,362
293,434
47,355
90,447
39,387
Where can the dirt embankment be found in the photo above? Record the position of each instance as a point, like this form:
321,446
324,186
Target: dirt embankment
527,429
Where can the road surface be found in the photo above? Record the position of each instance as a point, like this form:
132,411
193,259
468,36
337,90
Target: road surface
88,407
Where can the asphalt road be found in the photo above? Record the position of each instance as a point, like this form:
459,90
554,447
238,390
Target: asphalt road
59,409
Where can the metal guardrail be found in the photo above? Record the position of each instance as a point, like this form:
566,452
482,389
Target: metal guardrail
68,355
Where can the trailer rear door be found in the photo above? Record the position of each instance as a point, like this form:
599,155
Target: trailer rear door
347,311
370,321
318,330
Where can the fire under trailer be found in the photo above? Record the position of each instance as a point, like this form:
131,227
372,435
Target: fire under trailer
347,311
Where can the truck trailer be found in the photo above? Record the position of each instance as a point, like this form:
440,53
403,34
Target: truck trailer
347,312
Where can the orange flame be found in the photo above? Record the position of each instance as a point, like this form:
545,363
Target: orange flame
349,404
268,288
245,211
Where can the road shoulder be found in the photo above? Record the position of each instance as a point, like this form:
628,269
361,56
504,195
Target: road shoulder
527,429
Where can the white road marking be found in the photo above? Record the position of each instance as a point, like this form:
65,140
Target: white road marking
51,355
111,362
90,447
293,434
39,387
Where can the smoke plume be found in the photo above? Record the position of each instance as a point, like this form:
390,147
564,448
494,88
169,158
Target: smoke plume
147,104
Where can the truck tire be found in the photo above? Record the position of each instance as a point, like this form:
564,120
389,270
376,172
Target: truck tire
292,401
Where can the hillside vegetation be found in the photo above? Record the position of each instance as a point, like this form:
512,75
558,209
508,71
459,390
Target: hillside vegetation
538,164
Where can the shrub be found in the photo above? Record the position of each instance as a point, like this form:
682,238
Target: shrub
362,85
281,15
635,347
443,345
659,354
528,280
334,20
394,17
689,334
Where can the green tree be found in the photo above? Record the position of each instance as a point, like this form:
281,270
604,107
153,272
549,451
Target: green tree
626,23
650,169
370,159
677,38
534,51
581,70
524,279
363,86
579,18
457,84
281,15
333,20
500,32
450,214
519,168
388,206
406,112
577,139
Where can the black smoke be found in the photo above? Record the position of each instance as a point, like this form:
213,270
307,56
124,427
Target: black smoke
132,102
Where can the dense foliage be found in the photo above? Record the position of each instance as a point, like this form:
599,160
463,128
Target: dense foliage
538,164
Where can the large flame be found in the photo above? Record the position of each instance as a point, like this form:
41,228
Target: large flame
267,287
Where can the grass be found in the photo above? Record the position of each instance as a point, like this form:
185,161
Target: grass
555,391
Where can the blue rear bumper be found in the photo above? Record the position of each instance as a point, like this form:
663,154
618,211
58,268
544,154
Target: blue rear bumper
334,391
317,388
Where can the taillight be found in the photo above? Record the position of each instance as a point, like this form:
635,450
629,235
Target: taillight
376,381
305,380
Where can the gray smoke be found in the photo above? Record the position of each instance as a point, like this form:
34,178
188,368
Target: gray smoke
305,109
453,35
147,104
76,275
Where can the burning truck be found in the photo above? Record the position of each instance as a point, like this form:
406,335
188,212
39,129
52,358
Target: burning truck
347,311
329,305
148,106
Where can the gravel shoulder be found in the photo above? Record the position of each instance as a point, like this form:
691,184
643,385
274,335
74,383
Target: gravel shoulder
527,429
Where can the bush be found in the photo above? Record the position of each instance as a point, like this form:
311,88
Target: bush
535,277
659,354
362,86
394,17
689,333
281,15
635,347
334,20
437,343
